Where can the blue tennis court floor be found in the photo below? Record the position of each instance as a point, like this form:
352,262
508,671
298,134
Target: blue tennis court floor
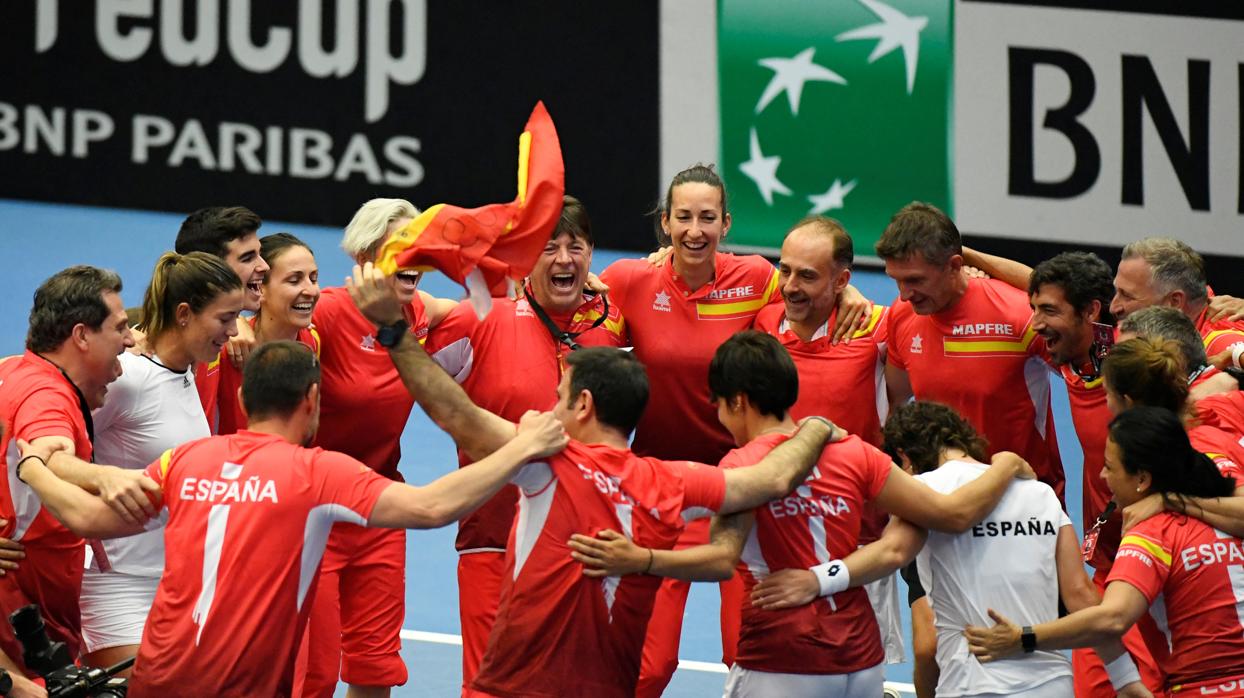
36,240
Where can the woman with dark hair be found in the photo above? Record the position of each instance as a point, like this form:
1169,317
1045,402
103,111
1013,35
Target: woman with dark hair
1190,565
1150,372
678,309
189,312
291,289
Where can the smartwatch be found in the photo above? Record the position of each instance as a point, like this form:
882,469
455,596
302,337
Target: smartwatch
1028,639
388,336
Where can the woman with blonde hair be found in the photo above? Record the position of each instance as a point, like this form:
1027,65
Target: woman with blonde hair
1151,372
189,312
361,601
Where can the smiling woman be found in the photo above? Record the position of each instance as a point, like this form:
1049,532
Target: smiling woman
189,311
677,312
290,291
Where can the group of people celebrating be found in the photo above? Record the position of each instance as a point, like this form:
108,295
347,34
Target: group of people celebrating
210,480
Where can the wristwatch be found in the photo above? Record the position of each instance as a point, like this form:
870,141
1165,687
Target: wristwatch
1028,639
388,336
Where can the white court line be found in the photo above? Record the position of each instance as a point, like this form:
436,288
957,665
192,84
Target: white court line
688,664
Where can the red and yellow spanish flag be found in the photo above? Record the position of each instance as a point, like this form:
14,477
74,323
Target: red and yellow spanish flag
497,240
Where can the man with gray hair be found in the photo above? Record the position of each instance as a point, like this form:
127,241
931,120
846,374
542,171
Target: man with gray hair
1164,322
1165,271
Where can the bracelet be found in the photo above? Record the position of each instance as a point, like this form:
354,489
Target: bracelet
1122,671
650,556
18,469
832,576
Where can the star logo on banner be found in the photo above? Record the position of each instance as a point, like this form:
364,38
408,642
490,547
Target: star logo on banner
763,171
790,75
831,199
895,30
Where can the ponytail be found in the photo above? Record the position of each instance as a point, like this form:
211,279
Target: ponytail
195,278
1149,371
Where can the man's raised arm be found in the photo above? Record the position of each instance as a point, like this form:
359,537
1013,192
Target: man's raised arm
1008,271
477,431
781,470
453,496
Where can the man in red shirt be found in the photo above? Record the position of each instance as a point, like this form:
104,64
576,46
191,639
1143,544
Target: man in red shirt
558,632
830,647
966,343
843,381
1070,296
1165,271
249,515
508,362
231,233
77,328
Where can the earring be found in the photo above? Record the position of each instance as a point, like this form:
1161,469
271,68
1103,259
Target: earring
1137,489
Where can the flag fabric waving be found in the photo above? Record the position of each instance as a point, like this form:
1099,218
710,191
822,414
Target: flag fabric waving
481,247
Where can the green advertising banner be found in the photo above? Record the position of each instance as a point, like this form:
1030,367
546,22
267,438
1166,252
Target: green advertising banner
838,107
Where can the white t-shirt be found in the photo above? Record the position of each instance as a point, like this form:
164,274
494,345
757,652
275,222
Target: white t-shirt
1007,563
148,410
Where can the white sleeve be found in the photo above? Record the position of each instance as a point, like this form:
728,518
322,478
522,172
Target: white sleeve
457,359
532,478
122,394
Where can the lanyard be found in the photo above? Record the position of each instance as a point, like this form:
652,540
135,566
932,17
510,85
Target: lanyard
82,405
1091,535
559,335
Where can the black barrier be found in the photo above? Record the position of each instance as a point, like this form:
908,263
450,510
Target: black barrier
303,110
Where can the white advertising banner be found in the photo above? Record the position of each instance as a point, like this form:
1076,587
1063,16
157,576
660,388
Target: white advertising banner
1099,127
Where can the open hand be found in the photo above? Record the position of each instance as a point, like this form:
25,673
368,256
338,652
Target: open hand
854,311
10,552
786,589
608,554
240,345
994,643
126,492
1025,470
1146,508
1225,308
660,255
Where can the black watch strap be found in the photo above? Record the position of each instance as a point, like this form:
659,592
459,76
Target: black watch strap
388,336
1028,639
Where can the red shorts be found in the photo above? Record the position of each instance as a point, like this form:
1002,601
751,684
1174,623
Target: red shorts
660,658
1089,674
479,594
52,578
356,616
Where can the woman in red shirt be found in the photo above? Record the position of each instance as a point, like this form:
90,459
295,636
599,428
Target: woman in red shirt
1185,566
